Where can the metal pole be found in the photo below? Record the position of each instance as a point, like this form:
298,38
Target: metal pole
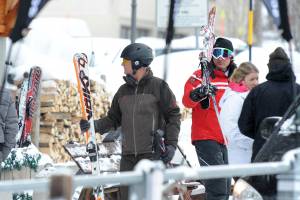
288,183
197,30
2,57
152,186
133,21
250,29
169,36
137,177
154,183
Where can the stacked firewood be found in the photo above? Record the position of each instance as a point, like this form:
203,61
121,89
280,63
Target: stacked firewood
60,113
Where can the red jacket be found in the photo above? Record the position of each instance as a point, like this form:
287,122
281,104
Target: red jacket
205,125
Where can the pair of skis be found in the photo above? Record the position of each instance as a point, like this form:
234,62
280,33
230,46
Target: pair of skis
83,85
205,56
26,108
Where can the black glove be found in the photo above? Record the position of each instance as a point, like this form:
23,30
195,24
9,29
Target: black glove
199,93
205,103
212,89
168,155
202,92
84,125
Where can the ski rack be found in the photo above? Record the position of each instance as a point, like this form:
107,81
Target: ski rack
105,150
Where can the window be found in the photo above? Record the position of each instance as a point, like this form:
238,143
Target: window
162,34
140,32
125,32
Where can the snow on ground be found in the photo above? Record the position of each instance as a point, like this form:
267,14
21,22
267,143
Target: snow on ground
186,146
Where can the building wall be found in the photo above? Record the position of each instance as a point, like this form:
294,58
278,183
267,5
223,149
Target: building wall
106,17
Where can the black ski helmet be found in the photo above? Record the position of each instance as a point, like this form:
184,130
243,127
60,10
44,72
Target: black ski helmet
139,54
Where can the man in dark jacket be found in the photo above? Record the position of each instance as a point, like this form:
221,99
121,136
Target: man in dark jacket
271,98
8,125
141,106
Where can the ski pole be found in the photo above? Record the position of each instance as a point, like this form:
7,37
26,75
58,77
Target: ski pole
183,155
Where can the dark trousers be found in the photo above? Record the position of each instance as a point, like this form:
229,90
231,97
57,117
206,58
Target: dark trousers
127,164
209,153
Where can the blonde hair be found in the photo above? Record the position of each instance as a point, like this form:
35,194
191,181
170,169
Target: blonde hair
242,71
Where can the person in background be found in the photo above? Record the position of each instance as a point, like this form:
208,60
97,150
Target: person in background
206,132
142,107
243,79
8,124
271,98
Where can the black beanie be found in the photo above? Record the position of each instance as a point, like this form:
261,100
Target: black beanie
223,43
278,58
280,67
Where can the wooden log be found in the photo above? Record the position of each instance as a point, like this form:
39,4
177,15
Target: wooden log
61,113
45,138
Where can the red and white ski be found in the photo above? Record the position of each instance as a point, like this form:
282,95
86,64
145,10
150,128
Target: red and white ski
83,85
209,37
26,112
21,108
205,56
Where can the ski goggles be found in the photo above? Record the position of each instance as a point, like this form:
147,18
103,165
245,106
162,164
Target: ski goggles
221,53
125,61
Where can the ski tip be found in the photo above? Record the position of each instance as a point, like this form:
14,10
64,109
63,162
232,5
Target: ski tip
79,56
213,10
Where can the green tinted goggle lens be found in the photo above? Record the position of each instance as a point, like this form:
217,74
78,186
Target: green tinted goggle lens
221,52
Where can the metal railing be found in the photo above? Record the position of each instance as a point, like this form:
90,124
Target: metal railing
148,178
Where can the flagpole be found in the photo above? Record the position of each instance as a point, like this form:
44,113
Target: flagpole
250,29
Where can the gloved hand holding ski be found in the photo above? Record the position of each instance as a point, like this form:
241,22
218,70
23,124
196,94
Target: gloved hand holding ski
87,123
202,92
168,155
166,152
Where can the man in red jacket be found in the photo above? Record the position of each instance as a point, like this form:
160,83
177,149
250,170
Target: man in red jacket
206,132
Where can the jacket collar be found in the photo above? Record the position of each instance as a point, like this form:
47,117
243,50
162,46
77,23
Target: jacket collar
220,73
130,80
238,87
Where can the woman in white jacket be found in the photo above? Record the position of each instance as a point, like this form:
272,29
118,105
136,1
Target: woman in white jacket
243,79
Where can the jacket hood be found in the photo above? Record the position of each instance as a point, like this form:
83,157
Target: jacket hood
280,67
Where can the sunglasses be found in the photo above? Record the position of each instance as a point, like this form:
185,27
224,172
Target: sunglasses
221,53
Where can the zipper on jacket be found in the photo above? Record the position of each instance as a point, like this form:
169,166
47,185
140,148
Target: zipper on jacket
153,133
133,121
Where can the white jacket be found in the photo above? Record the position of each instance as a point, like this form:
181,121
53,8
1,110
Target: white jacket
238,145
